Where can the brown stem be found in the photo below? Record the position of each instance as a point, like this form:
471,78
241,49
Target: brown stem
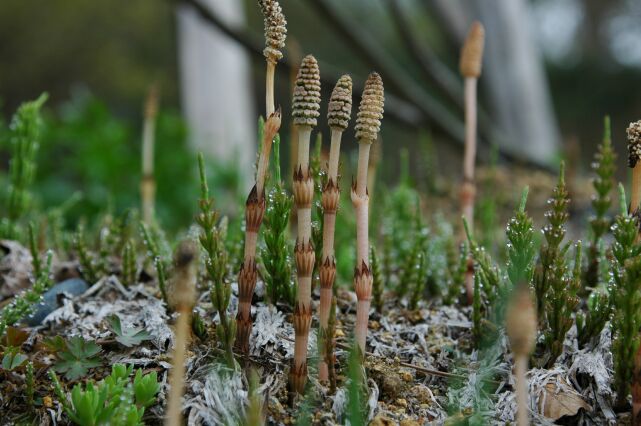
305,259
520,367
254,212
272,125
327,270
148,184
148,196
468,187
362,274
269,87
177,375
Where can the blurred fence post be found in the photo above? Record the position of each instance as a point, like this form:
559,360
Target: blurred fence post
516,89
215,84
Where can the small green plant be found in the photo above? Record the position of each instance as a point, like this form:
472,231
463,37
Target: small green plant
29,384
216,265
457,267
24,304
276,254
129,267
36,261
254,413
114,400
490,282
159,260
198,326
88,264
489,305
418,281
378,284
356,389
551,250
26,126
130,336
626,318
13,358
477,307
590,324
521,250
330,346
408,272
146,387
603,183
76,356
561,303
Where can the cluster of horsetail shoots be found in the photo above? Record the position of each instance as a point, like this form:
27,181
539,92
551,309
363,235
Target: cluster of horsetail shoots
368,124
338,116
305,111
521,329
182,297
148,183
470,68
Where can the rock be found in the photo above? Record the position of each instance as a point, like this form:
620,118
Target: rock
422,393
381,420
391,385
407,376
15,268
73,287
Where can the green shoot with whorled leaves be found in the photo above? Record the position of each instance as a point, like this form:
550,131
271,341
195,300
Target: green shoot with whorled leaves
603,183
26,127
216,260
275,256
626,294
554,233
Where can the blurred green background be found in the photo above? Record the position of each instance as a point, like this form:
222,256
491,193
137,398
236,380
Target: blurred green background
98,59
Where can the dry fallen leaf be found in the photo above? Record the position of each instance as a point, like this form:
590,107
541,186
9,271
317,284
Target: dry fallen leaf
560,399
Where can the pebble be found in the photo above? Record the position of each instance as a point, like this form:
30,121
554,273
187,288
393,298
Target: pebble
407,376
391,385
72,287
381,420
401,402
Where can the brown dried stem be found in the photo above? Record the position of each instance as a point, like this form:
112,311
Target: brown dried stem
182,293
470,67
148,183
254,212
521,327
